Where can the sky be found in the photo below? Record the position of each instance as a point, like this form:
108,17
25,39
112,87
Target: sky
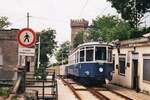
53,13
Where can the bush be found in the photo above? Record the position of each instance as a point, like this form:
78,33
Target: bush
4,91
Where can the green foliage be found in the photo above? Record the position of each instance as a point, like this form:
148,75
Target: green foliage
4,23
14,98
79,39
131,10
41,72
139,32
109,28
4,91
63,52
48,44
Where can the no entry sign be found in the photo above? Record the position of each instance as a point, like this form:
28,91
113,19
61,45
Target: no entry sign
26,37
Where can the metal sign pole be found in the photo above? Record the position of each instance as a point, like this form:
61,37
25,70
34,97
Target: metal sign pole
39,44
43,83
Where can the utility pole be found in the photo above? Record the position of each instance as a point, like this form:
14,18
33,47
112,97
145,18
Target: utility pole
39,45
62,59
135,5
28,19
26,57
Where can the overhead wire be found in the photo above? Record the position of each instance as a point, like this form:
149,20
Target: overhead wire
82,10
47,19
103,10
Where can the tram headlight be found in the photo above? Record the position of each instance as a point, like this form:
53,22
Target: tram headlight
101,69
87,72
111,73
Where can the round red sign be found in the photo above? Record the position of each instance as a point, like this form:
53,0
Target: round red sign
26,37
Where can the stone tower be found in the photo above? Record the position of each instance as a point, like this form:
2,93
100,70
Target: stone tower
77,26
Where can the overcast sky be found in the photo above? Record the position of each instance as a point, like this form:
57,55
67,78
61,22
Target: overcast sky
53,13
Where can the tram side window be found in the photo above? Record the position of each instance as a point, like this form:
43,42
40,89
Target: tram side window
89,55
77,57
82,56
100,53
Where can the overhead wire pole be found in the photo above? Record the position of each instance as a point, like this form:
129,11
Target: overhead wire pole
39,45
28,19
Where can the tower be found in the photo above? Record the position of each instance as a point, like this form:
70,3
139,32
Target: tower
77,26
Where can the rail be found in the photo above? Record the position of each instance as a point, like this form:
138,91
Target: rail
121,95
117,93
97,94
72,89
95,91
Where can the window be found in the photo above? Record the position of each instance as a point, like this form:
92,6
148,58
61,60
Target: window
82,56
1,57
100,53
122,65
109,54
89,53
78,56
113,62
1,60
146,69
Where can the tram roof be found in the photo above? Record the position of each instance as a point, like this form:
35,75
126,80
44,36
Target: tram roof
91,43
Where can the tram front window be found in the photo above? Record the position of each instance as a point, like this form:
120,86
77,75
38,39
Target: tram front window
82,56
100,53
89,55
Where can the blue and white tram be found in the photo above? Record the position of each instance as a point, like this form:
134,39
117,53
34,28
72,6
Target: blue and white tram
91,62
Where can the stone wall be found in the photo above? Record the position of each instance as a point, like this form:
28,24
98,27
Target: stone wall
9,52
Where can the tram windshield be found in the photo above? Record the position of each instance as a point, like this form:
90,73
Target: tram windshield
82,56
100,53
89,53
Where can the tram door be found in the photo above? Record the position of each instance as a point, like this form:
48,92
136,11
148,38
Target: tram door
135,74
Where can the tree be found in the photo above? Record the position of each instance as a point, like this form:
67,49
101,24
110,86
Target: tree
109,28
48,44
4,23
131,10
63,51
79,39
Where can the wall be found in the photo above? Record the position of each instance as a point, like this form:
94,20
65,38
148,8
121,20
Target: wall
144,86
120,79
126,80
9,53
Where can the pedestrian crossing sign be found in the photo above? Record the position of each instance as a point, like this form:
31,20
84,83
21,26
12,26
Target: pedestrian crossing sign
26,37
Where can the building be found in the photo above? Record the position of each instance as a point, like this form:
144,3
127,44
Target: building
131,60
77,26
8,53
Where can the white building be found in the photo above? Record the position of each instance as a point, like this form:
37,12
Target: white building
132,64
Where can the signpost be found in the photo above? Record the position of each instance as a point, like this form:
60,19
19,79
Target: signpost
26,37
26,51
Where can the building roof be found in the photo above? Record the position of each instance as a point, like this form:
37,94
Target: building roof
142,41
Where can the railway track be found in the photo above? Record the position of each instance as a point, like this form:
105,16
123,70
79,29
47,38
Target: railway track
100,93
